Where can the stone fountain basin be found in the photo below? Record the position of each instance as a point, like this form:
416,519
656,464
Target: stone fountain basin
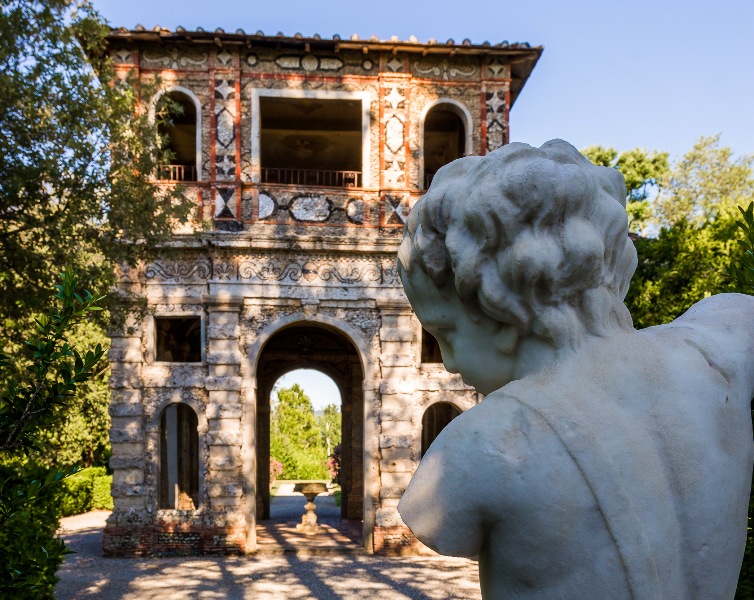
310,487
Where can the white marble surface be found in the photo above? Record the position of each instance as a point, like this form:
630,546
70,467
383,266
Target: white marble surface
604,462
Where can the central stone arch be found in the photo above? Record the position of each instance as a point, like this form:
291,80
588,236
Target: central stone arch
322,347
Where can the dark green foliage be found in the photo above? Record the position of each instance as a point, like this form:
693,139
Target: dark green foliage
678,268
75,158
84,491
102,498
742,271
30,553
29,505
297,438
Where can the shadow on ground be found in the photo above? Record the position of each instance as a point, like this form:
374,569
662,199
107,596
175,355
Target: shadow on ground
87,574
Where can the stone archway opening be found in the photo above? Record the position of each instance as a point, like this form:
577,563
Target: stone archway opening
324,349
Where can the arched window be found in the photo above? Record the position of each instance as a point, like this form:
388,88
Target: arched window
435,419
179,458
179,137
444,139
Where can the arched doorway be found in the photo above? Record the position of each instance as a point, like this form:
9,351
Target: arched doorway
329,351
444,139
434,420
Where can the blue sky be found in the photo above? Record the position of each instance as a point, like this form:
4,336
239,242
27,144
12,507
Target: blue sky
619,73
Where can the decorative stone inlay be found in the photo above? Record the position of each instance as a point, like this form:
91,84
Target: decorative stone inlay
178,271
496,68
309,62
225,129
394,65
495,119
174,58
395,115
251,59
446,69
355,210
310,208
224,58
345,272
225,203
396,210
267,206
123,56
394,134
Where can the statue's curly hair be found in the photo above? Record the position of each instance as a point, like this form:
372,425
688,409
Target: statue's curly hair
538,237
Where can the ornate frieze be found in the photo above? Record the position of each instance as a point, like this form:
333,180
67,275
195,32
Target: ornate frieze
446,69
278,268
175,58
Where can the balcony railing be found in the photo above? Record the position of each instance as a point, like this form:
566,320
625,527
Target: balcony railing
176,173
311,177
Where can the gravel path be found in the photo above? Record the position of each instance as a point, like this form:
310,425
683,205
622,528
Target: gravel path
288,577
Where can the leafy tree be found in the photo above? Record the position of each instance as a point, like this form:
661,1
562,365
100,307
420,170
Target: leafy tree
742,272
30,553
75,158
295,436
642,170
330,424
707,183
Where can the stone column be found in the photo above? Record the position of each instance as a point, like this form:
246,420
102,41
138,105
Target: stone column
127,532
398,447
225,428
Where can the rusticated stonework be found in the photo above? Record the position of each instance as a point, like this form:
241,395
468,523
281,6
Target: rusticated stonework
276,274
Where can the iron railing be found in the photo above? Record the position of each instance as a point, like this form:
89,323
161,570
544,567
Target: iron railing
176,173
311,177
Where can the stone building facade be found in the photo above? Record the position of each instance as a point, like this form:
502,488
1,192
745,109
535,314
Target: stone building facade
303,156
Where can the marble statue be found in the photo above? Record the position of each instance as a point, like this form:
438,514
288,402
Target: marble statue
604,462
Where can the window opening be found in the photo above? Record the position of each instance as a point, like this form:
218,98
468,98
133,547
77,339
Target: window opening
178,339
311,141
435,419
179,137
430,348
444,140
179,458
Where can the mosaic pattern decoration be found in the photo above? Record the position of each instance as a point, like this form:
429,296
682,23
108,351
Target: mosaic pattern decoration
396,209
311,209
457,68
175,58
225,129
395,114
495,119
497,69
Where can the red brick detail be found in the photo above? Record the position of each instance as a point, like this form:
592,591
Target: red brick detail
396,541
166,539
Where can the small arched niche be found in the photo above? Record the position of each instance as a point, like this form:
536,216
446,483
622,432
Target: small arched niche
444,138
178,132
179,458
435,419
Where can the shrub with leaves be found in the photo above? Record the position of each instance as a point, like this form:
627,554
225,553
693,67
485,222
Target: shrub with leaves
743,273
29,551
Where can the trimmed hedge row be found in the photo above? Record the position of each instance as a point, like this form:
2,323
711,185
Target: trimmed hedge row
89,489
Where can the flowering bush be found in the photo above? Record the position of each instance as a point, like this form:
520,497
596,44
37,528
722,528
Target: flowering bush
276,468
333,464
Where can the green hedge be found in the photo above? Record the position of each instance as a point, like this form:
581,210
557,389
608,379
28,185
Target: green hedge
86,490
31,552
101,497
